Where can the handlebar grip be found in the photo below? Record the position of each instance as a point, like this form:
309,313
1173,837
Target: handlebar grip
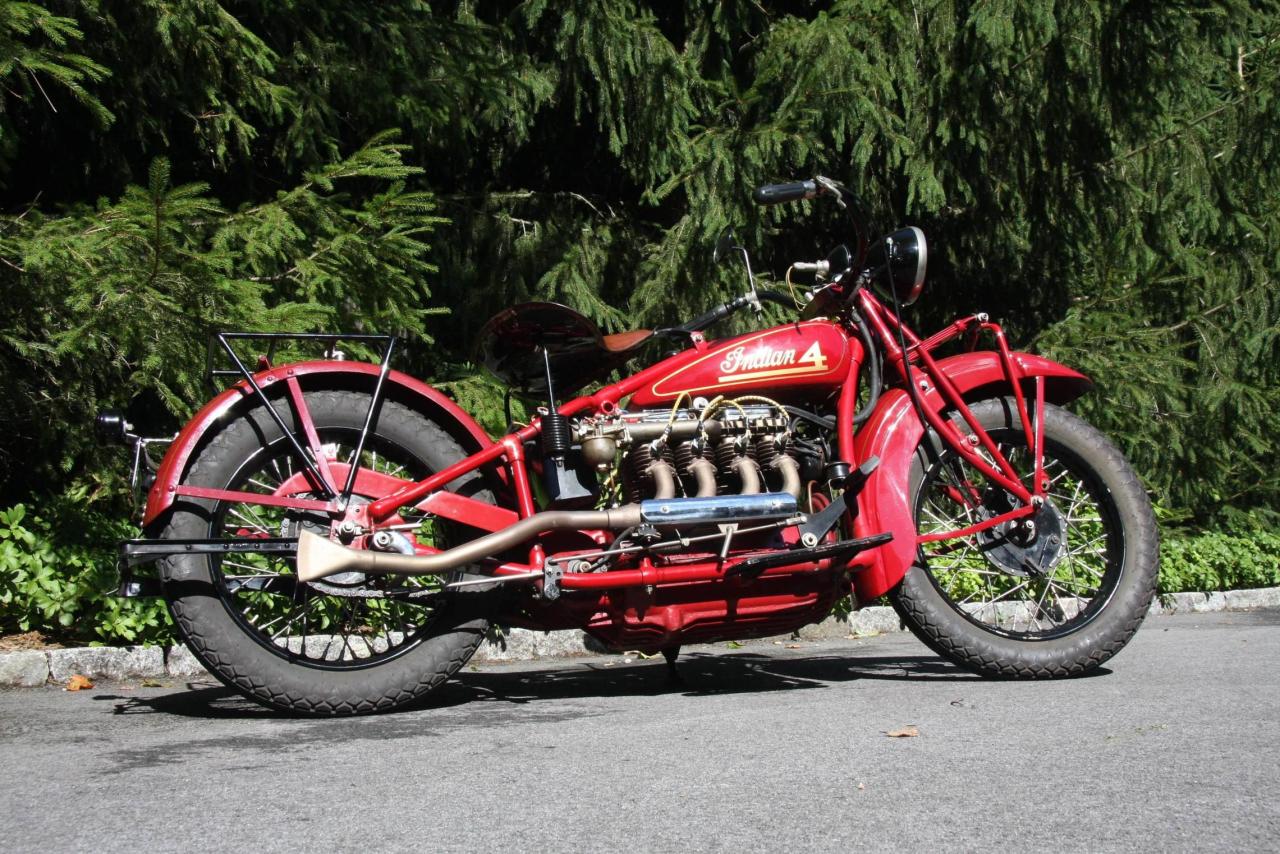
775,194
714,316
702,321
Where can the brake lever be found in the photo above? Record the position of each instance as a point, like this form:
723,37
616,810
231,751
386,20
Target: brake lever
831,187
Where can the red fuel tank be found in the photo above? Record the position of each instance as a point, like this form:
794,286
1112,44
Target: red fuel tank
798,361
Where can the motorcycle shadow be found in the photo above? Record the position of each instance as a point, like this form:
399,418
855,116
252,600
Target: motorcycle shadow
706,674
697,674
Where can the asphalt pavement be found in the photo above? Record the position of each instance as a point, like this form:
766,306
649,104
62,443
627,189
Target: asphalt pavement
766,747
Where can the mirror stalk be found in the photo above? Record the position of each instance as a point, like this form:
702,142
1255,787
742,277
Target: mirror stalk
753,298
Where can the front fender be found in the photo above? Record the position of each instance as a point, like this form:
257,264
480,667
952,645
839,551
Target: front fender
401,387
894,431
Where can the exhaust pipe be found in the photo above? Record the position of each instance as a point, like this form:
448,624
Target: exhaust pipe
717,509
319,557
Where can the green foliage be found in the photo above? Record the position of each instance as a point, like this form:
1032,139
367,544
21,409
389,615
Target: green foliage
54,578
1219,561
33,52
255,93
115,301
1102,178
482,396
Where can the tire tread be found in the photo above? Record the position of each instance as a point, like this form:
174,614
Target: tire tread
433,663
948,634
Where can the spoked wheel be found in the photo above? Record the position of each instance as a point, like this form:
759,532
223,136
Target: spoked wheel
351,643
348,620
1055,594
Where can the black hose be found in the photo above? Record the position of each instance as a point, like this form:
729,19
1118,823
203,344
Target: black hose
772,194
902,342
713,316
826,422
875,381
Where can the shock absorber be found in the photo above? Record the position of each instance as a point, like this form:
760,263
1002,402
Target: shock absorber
565,478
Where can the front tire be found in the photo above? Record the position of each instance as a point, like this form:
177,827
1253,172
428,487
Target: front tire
291,645
1032,605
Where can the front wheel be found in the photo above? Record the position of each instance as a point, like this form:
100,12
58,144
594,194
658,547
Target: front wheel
1053,598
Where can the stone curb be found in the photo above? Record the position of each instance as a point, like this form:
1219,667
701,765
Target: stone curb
32,668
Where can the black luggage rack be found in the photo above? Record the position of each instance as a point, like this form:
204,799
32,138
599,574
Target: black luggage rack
136,552
331,340
223,340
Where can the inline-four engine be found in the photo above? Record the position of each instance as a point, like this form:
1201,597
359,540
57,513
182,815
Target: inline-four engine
729,446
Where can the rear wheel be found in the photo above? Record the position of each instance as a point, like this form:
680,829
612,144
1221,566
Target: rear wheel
1057,597
354,643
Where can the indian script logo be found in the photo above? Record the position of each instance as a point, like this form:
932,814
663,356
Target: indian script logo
764,362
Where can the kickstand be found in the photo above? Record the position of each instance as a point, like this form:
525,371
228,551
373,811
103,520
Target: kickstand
673,674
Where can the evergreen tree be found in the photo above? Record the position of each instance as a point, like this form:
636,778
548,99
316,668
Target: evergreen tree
1101,177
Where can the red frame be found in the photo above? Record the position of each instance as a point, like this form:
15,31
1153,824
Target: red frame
942,385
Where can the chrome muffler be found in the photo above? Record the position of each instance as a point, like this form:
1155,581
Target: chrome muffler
319,557
717,509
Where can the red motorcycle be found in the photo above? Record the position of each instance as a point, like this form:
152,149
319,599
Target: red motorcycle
335,537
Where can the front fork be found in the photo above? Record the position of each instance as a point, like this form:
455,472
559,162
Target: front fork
917,365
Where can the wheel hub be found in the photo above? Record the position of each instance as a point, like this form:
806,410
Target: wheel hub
318,522
1030,546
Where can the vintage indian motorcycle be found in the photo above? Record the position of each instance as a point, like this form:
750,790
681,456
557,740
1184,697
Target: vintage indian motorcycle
334,537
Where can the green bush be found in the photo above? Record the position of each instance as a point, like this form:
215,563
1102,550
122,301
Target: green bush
58,576
1219,561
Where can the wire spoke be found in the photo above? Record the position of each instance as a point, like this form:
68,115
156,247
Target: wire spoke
266,487
297,612
981,576
257,525
1039,609
295,619
970,569
226,562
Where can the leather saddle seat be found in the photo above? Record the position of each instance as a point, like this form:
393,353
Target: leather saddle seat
519,343
625,342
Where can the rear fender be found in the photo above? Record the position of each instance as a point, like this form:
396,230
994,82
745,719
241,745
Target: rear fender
399,387
894,431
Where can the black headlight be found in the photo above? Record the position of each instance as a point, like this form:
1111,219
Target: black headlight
905,254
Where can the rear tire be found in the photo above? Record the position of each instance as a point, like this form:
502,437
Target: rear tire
965,603
228,625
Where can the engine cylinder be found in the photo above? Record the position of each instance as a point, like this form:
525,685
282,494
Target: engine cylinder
650,475
750,451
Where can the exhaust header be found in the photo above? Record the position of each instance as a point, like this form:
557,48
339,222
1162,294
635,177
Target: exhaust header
319,557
